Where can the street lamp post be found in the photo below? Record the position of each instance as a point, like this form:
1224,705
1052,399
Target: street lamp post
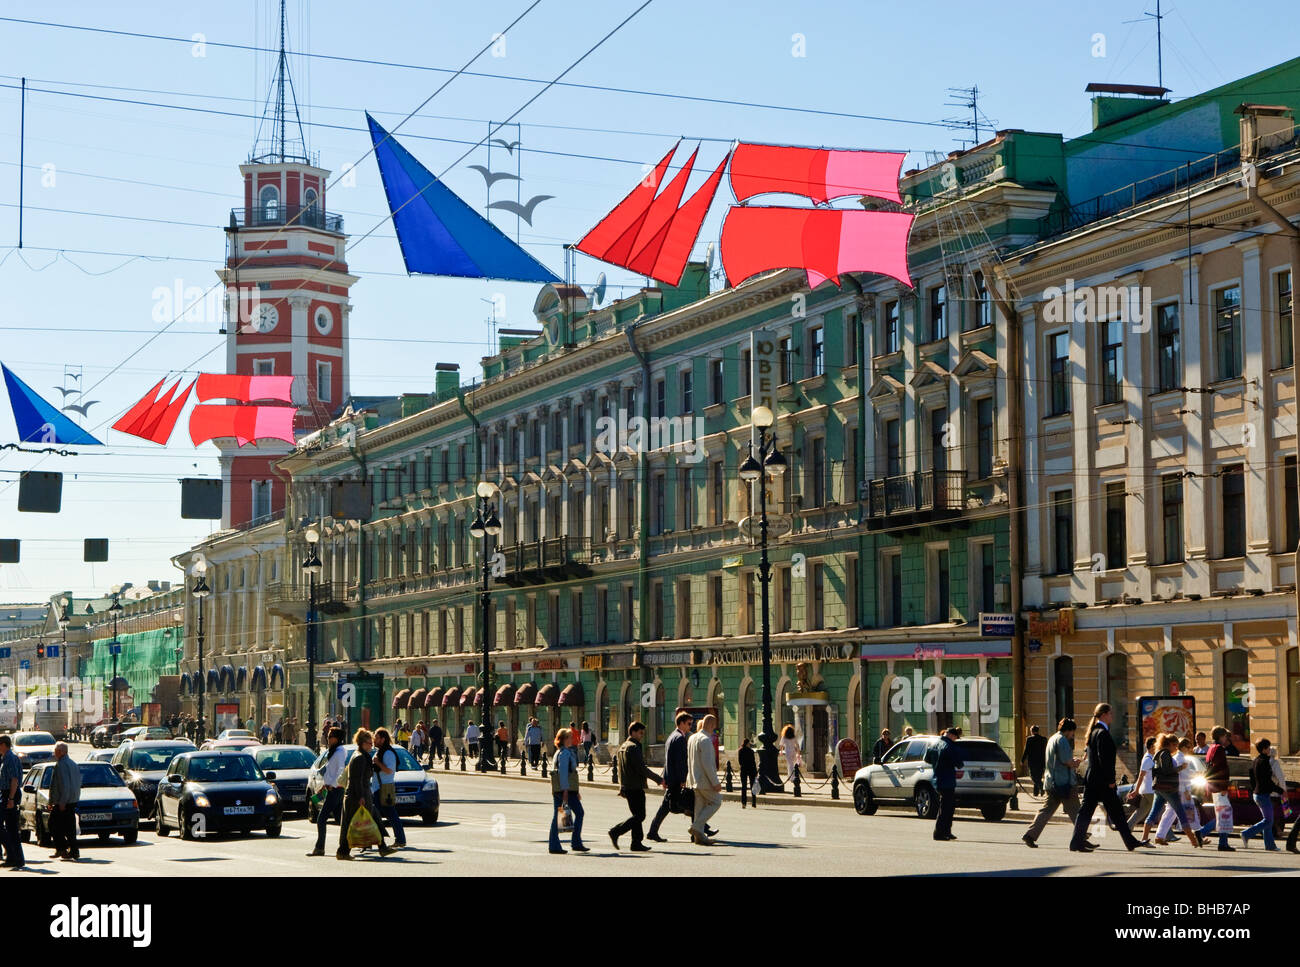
200,590
313,568
65,620
486,525
114,609
759,466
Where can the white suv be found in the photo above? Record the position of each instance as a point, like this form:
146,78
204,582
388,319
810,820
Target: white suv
905,776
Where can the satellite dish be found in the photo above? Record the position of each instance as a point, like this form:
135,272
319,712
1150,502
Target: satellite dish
598,290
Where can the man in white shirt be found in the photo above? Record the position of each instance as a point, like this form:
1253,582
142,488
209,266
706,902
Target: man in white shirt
471,739
332,800
702,773
533,739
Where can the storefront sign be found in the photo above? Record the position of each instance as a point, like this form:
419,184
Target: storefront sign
550,664
932,650
1166,713
765,369
783,655
652,659
849,756
516,666
470,667
593,663
417,670
1045,626
997,625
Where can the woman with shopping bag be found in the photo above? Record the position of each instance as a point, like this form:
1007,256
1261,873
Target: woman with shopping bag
1216,786
567,812
359,828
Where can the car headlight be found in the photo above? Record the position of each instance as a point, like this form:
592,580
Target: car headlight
271,799
202,801
125,804
429,786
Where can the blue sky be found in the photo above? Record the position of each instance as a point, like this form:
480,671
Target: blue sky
175,174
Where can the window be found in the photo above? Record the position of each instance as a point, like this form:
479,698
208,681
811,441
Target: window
817,596
984,437
261,499
1116,543
893,452
1058,365
657,504
460,462
575,617
1171,515
783,598
626,616
715,605
717,500
685,499
324,320
937,578
985,588
1290,504
661,394
657,614
983,306
1112,361
1285,307
578,431
1169,360
1063,531
556,437
1063,687
1236,689
783,353
629,399
446,465
748,602
851,591
1227,332
263,367
889,335
938,317
269,200
602,615
746,374
891,588
852,333
818,470
1293,696
1117,696
324,379
715,381
534,438
688,402
816,351
938,439
1233,481
310,216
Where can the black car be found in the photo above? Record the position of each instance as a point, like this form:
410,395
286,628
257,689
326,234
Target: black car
216,791
143,764
101,736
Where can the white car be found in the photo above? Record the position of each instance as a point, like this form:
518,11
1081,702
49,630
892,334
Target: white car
33,748
417,791
905,777
292,767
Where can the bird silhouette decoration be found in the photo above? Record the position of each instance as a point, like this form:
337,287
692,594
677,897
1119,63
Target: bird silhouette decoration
81,408
524,211
508,145
492,177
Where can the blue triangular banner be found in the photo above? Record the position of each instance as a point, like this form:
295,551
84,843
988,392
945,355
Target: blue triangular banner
438,232
37,419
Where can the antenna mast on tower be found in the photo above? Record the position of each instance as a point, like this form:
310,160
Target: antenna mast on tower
276,147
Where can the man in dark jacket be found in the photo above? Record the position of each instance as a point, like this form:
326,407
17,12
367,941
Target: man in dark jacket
357,795
1035,757
632,777
674,773
1099,785
882,746
947,761
1216,779
748,772
435,741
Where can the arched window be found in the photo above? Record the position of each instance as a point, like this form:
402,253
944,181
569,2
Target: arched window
1236,696
1173,673
269,203
1293,697
1063,690
1117,696
660,724
854,725
716,701
627,712
311,214
749,714
602,725
783,713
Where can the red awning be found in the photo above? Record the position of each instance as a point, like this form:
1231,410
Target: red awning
451,696
434,698
526,694
401,698
547,695
417,698
572,695
468,697
504,695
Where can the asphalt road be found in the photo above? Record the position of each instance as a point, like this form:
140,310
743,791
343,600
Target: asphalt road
488,824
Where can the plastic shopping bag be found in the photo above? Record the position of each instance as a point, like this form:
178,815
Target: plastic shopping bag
1222,813
363,831
564,818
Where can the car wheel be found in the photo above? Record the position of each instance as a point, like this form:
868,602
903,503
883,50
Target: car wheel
186,830
994,814
42,835
430,817
273,830
25,835
103,837
927,803
159,826
130,836
863,801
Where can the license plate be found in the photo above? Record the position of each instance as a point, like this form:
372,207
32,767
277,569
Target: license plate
403,800
981,774
239,810
298,797
96,817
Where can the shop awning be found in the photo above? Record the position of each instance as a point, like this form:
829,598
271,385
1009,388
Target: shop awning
214,680
257,681
468,697
572,695
434,698
241,677
227,678
119,684
417,698
277,671
504,695
451,696
526,694
401,698
185,684
547,695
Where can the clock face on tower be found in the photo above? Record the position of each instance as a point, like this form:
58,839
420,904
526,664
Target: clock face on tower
265,317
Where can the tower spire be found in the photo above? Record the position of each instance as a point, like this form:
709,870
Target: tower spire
274,144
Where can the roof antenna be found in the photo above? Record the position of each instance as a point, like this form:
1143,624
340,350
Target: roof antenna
1160,52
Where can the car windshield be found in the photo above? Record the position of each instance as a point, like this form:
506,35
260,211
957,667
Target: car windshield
98,775
34,738
223,768
973,750
156,758
284,758
236,734
405,761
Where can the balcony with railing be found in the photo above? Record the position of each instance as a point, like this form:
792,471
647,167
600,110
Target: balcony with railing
915,497
289,600
266,216
554,559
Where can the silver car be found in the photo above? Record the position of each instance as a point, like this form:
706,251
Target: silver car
905,777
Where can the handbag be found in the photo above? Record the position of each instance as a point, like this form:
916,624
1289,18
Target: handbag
682,800
387,794
1222,813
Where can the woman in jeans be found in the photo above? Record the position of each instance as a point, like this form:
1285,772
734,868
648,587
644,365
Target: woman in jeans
564,790
586,742
1262,772
1167,773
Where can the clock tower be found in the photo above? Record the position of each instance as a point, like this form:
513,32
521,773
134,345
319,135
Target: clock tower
287,287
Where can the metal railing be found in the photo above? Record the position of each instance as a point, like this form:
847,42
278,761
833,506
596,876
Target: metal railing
312,216
552,552
910,493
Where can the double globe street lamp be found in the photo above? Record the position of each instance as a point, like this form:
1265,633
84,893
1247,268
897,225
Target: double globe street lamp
761,464
200,590
485,525
312,568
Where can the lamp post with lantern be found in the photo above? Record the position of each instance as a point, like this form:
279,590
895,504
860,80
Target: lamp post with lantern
200,590
763,462
65,621
115,609
312,568
486,525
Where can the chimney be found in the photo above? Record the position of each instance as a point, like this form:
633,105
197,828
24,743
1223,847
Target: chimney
1263,127
446,378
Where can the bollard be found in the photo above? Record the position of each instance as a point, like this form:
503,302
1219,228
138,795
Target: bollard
446,758
591,770
730,787
543,767
835,782
462,760
613,774
503,764
523,765
794,777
